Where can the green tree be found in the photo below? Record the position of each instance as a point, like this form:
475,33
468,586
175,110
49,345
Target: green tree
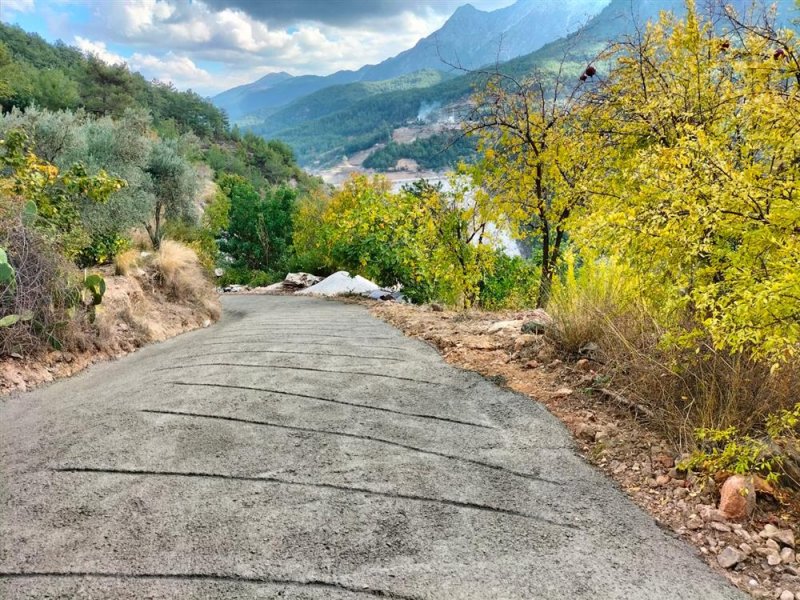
259,232
54,90
174,186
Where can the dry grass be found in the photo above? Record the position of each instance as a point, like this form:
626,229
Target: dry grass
182,276
684,388
126,262
141,240
45,287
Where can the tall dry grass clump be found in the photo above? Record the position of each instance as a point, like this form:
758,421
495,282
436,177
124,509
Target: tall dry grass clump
180,274
684,389
125,262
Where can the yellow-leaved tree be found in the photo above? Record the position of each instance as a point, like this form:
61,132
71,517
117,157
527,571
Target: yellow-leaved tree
534,156
696,179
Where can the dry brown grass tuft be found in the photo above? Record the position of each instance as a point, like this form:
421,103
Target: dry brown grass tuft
683,388
141,240
126,262
182,276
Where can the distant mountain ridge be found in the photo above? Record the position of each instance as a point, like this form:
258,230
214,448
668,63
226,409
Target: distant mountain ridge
324,137
469,38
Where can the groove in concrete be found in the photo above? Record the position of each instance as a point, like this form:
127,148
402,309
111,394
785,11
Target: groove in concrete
332,401
305,583
325,486
369,438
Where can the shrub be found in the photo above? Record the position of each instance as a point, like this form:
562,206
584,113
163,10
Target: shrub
512,283
774,455
103,249
261,279
46,289
587,299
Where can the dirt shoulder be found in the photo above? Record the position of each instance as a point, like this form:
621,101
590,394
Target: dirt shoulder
614,436
137,309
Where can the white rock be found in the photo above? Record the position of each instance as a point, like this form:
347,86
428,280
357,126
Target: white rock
773,559
788,556
730,557
338,284
787,595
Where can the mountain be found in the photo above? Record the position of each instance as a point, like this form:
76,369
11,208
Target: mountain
370,120
337,98
236,98
469,38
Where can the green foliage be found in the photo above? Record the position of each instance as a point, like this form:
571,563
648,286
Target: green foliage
511,284
7,286
435,243
696,180
174,184
259,232
102,250
57,196
60,77
95,285
437,152
730,451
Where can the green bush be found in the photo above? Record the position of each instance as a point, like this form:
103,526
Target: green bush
512,283
103,249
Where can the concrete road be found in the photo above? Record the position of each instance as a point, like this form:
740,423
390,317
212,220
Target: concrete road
303,449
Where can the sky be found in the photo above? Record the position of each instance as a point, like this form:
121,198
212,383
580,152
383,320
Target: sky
212,45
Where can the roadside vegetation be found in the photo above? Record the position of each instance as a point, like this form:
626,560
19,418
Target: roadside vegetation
656,194
99,167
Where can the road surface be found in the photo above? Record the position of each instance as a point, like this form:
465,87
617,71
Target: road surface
303,449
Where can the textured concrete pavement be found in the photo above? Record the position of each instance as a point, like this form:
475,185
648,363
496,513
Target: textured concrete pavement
303,449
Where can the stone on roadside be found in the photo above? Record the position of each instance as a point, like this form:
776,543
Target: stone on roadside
663,480
788,556
504,326
737,498
562,392
586,432
787,595
524,340
537,322
730,557
694,522
773,559
681,492
784,536
583,365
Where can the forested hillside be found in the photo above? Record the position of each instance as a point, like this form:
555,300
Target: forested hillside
97,162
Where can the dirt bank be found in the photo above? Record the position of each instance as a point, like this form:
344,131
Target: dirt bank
144,306
614,436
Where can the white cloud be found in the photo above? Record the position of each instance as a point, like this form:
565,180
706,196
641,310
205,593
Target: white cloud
16,6
167,39
99,50
180,70
241,43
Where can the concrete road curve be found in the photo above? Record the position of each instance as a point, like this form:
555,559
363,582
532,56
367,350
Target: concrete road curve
303,449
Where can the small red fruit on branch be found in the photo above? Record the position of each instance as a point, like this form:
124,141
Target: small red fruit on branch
590,71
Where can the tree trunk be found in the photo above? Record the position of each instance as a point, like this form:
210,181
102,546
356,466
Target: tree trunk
154,229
